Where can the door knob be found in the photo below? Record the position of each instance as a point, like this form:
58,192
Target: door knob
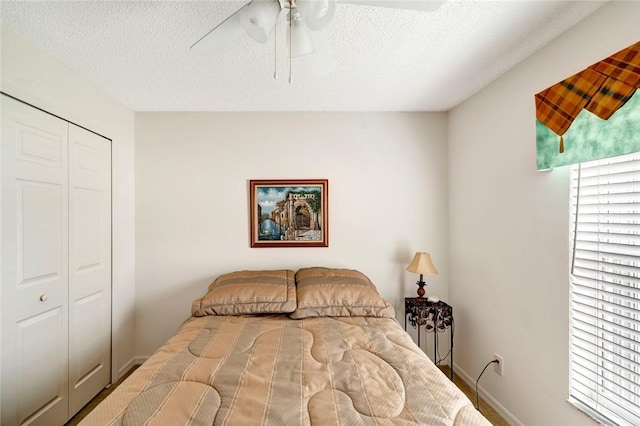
43,297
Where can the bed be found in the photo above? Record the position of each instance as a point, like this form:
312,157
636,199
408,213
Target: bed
314,347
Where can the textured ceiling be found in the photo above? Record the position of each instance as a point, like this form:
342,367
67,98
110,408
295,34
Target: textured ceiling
388,59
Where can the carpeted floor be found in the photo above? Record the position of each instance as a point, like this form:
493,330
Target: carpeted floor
486,410
97,400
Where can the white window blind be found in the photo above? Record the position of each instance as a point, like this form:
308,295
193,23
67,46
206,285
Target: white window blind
605,289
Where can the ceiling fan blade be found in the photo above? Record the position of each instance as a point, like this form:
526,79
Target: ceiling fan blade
422,5
221,36
322,61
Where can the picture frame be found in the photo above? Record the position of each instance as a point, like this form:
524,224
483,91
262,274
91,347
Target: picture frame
289,213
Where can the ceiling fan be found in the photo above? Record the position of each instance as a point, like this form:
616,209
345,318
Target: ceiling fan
306,33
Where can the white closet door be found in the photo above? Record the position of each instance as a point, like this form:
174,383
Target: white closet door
34,268
89,266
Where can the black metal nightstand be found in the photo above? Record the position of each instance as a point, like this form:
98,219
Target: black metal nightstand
435,317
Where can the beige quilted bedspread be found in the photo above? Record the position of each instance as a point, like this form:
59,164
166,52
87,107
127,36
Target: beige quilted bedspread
272,370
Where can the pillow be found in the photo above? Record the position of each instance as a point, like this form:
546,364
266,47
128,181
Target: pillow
248,292
338,293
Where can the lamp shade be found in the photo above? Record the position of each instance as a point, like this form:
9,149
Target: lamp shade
259,17
298,37
316,13
422,264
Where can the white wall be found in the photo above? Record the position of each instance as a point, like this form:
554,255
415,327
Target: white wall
32,76
387,199
509,227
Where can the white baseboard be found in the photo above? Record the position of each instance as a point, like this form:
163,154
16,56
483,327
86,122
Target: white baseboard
486,396
136,360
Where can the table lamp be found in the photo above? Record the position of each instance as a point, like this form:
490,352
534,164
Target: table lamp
422,264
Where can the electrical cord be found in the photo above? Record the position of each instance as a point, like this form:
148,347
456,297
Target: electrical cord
493,361
440,358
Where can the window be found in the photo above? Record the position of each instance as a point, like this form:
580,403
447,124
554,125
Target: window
605,289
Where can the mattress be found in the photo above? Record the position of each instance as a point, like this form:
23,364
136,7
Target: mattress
274,370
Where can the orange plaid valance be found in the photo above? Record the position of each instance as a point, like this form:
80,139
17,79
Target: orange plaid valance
602,89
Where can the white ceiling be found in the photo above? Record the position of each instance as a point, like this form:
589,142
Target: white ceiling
388,59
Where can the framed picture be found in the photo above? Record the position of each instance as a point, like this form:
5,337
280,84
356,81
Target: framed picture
289,213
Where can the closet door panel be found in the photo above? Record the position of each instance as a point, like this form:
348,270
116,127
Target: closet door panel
89,266
34,270
42,368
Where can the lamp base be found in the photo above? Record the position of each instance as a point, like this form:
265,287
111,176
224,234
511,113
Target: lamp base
421,290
